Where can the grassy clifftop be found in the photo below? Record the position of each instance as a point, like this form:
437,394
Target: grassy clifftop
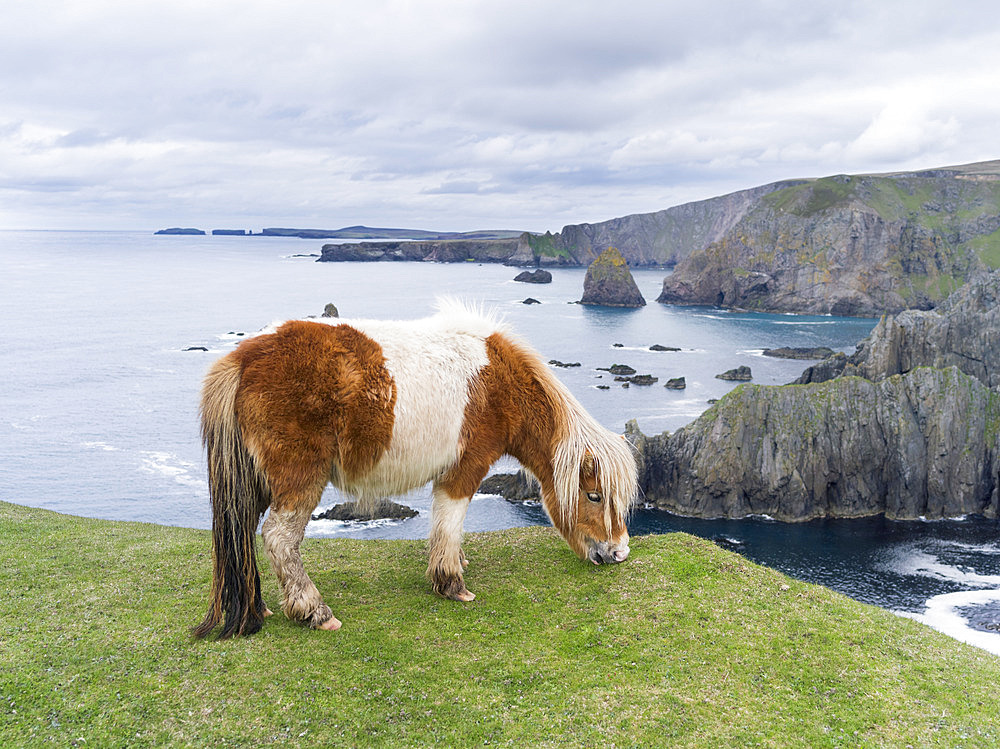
684,645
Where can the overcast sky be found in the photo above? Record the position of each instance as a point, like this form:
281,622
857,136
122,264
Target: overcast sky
465,114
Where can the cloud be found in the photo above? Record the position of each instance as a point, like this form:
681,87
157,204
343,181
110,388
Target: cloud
459,114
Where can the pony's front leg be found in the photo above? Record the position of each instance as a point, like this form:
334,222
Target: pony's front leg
283,532
446,558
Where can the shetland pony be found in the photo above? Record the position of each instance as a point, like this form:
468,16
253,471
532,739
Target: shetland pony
379,408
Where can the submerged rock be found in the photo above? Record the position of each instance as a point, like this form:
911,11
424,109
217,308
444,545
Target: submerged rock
530,300
658,347
609,282
557,363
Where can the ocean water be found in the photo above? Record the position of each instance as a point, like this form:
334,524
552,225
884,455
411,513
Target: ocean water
98,411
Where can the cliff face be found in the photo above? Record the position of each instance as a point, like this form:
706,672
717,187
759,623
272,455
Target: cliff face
923,444
859,245
664,237
963,332
916,435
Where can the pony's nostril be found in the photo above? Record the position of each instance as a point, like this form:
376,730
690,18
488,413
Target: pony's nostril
620,554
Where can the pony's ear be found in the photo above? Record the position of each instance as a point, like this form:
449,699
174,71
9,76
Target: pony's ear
587,464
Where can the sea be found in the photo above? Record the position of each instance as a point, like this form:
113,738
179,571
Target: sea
106,337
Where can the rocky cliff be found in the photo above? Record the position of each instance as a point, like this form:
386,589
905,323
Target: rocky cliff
964,332
665,237
923,444
917,434
851,245
527,250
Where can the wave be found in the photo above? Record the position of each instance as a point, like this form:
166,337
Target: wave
335,527
172,467
915,563
942,614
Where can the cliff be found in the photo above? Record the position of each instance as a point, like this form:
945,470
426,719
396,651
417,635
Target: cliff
665,237
917,434
851,245
527,250
923,444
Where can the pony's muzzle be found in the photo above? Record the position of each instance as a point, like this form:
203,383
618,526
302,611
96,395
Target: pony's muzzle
602,552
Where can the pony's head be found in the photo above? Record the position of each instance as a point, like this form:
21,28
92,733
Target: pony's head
595,488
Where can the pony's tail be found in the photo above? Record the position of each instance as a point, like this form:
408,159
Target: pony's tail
239,497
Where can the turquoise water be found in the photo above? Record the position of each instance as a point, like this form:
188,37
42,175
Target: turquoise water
98,412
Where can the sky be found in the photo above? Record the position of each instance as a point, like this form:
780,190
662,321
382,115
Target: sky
456,115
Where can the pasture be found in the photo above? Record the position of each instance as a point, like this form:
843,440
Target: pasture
684,644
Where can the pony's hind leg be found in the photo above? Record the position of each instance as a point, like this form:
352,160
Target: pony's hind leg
283,531
446,557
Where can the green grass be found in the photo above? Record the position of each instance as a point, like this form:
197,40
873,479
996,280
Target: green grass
683,645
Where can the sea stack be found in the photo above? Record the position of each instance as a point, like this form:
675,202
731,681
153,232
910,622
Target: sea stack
609,282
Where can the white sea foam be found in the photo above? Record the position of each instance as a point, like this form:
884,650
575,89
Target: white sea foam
337,527
169,465
942,614
919,563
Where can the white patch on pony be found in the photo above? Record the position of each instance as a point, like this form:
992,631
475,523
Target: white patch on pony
432,361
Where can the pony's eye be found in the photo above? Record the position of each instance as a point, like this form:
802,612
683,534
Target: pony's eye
593,496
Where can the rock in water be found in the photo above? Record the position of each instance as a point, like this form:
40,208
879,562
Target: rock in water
676,383
609,282
537,276
793,352
353,511
514,487
739,374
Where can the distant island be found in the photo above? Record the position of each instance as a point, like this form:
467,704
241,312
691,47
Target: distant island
358,232
178,230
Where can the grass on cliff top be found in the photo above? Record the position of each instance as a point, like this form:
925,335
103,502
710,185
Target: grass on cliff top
684,645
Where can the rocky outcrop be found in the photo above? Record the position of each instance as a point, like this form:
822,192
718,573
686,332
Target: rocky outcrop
963,332
448,251
514,487
851,245
922,444
534,276
741,373
832,366
799,352
526,250
609,282
179,230
353,511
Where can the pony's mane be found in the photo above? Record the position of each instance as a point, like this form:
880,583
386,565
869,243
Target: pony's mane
577,435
